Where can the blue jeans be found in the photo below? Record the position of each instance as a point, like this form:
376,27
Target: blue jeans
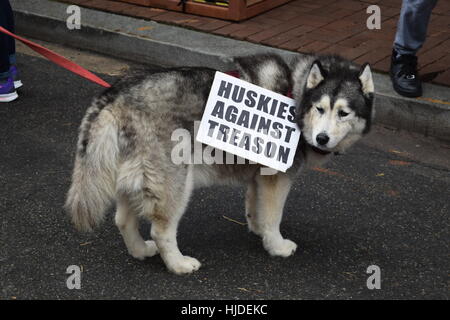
7,43
412,25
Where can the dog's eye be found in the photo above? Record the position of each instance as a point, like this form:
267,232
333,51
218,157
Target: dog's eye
321,111
342,114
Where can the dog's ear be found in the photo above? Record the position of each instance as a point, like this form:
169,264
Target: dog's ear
365,77
315,76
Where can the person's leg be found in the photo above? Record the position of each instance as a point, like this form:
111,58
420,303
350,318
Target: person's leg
410,36
7,89
11,44
412,26
4,58
11,27
4,40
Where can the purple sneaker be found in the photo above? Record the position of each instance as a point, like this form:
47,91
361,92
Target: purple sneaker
15,75
7,91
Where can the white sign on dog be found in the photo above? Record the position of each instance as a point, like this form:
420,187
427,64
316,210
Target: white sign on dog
251,122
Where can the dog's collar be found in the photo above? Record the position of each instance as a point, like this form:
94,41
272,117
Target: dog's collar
237,74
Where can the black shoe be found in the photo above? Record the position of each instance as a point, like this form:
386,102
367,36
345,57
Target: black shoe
404,75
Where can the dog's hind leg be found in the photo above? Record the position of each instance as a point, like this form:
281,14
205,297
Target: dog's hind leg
272,192
127,221
165,223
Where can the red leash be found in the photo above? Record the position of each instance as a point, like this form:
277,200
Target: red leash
59,60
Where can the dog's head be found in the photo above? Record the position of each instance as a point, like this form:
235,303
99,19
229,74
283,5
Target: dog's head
335,102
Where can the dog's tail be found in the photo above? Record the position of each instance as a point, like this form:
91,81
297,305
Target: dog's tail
95,170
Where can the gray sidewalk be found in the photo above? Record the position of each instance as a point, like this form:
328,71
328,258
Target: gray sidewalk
151,42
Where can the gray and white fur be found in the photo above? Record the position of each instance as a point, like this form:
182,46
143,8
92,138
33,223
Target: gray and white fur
124,148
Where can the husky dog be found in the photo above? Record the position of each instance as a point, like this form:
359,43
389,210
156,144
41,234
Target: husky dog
124,148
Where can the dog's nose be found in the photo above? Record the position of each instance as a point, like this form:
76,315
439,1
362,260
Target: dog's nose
322,139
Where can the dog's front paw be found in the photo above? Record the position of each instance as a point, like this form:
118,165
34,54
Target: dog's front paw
149,250
183,265
280,248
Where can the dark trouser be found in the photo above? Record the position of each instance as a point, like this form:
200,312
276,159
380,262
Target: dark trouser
412,25
7,44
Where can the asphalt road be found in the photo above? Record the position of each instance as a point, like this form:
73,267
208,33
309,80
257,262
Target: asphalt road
385,203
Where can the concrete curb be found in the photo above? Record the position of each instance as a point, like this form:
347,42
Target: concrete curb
151,42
